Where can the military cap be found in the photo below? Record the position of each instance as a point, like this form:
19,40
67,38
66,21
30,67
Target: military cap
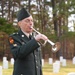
22,14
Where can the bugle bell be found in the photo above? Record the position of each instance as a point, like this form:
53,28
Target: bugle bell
55,46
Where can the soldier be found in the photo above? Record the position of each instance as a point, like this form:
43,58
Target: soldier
25,50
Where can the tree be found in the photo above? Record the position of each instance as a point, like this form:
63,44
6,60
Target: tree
6,27
50,18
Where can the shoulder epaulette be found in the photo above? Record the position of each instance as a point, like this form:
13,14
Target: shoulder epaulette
13,34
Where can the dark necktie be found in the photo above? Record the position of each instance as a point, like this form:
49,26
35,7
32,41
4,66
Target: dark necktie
30,37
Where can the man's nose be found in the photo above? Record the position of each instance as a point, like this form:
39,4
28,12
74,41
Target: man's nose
31,23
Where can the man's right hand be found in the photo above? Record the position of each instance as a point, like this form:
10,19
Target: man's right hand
41,37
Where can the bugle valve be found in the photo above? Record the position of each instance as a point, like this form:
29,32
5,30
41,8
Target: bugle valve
55,46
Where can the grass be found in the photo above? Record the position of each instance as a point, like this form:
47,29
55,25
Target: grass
47,69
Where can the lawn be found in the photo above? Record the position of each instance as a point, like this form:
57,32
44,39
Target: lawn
47,69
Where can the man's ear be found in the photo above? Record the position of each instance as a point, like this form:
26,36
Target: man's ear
19,23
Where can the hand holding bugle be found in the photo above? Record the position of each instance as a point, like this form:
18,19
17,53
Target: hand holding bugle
55,46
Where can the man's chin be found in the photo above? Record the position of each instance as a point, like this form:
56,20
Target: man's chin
30,31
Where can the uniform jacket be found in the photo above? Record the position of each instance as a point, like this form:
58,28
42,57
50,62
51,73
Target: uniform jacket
26,53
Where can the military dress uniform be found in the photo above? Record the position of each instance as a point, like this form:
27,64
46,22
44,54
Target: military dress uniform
26,53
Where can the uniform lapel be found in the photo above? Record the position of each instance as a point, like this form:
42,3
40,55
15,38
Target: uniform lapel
23,37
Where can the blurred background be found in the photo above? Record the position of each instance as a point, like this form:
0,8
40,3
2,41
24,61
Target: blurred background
54,18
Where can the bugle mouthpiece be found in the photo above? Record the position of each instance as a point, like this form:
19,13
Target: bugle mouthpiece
31,27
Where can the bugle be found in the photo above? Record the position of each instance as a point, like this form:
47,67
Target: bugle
55,46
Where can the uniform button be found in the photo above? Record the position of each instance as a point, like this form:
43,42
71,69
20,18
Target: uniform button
35,55
36,66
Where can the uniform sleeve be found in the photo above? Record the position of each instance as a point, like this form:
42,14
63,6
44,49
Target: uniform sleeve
20,50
